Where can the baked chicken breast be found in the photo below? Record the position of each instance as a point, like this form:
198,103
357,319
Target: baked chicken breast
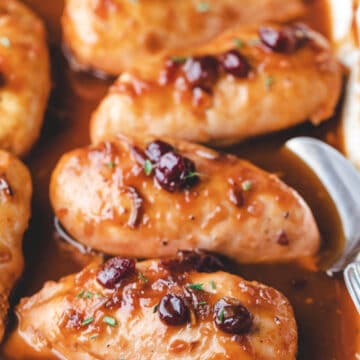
147,198
120,35
245,83
156,310
15,198
24,76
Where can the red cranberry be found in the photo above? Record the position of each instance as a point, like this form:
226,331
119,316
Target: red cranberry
232,317
175,172
283,41
235,64
199,260
173,310
201,71
115,270
156,149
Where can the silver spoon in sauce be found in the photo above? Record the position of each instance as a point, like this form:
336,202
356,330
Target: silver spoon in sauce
342,181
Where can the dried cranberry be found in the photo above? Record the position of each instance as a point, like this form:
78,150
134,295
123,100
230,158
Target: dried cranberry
175,172
201,71
232,317
199,260
156,149
235,64
115,270
283,41
173,310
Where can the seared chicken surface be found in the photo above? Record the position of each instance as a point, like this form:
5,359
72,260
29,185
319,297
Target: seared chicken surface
120,35
145,198
24,76
234,88
15,198
158,310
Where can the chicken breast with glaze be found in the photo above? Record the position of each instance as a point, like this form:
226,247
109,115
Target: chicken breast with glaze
15,199
145,198
157,310
24,76
113,36
244,84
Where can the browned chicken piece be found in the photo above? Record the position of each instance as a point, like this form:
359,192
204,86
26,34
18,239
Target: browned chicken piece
144,198
113,36
15,198
24,76
158,310
230,95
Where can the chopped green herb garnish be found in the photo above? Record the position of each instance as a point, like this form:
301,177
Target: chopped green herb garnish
5,41
111,165
238,43
148,167
202,303
196,287
192,174
246,185
92,337
203,7
222,316
269,81
155,309
143,278
109,321
179,59
212,284
85,294
87,321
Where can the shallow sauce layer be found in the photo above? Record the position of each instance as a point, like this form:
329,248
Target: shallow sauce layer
328,323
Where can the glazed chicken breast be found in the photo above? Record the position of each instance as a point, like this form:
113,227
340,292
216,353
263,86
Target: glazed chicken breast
156,310
24,76
245,83
147,198
120,35
15,198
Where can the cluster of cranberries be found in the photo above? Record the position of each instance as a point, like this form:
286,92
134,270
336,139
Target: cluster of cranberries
173,172
203,71
230,315
286,40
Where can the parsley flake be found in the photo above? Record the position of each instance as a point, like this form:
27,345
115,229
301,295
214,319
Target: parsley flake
109,321
192,174
5,41
238,43
268,82
92,337
196,287
155,309
143,278
212,284
87,321
110,165
84,295
202,303
203,7
246,185
222,316
148,168
179,59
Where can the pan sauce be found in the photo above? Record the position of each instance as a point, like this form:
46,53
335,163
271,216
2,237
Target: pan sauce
328,323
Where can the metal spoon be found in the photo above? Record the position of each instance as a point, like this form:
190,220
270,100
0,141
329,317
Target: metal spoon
342,181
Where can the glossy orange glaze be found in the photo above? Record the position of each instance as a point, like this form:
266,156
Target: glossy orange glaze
327,320
103,197
85,318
